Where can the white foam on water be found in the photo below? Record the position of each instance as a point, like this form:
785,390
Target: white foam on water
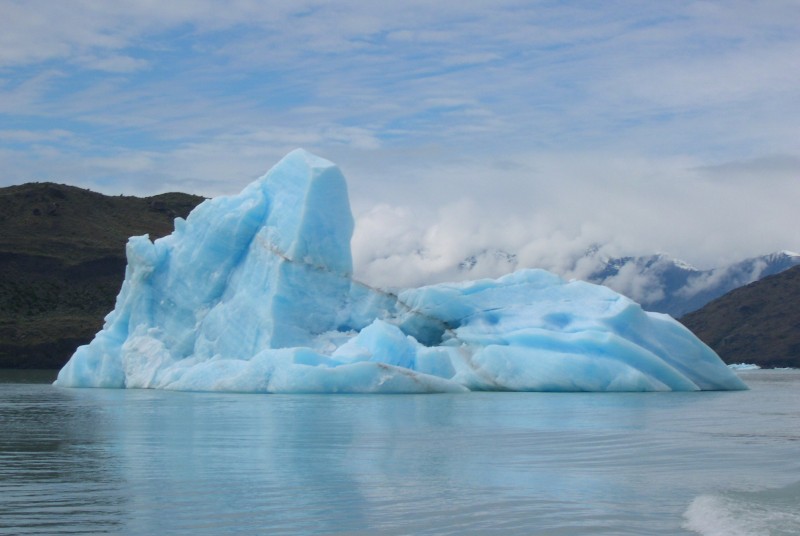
712,515
769,513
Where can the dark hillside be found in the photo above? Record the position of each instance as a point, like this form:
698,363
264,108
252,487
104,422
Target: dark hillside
62,260
758,323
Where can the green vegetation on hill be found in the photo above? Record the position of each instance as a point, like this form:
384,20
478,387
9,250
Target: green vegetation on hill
758,323
62,261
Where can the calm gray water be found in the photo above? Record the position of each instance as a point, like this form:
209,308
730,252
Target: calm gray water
75,461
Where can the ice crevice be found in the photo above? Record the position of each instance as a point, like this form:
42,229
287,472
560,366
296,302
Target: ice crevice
398,308
255,293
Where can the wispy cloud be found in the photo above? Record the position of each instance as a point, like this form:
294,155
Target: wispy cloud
540,127
31,136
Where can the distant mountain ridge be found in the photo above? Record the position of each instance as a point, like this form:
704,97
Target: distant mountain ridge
758,323
658,282
62,260
678,288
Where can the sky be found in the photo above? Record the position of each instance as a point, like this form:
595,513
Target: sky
538,128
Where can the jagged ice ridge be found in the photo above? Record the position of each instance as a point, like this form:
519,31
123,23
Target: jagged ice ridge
254,293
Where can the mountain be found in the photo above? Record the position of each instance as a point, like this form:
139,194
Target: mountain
659,282
671,286
508,261
758,323
62,260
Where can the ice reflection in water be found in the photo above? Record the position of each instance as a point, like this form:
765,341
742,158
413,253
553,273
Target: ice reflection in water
58,468
142,462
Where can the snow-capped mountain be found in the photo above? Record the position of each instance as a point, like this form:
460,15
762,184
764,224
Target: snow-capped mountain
671,286
659,282
494,256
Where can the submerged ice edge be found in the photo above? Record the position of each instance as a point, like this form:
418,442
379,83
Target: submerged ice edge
255,293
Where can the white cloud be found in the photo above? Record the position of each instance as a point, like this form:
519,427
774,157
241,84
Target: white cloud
30,136
113,63
777,167
631,282
539,129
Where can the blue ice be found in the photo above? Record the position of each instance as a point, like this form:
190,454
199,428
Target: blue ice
254,293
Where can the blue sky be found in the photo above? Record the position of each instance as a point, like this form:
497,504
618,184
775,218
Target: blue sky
535,127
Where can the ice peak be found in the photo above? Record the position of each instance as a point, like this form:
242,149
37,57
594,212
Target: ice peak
313,161
309,216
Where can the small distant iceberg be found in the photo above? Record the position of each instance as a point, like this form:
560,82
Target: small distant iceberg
254,293
743,366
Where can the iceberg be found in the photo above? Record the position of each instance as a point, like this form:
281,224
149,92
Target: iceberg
255,293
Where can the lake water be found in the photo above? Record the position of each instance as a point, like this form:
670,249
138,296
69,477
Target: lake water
85,461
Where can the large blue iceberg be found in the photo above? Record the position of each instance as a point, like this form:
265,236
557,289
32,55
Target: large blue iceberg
254,293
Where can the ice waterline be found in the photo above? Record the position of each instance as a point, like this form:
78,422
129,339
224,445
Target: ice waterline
254,293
